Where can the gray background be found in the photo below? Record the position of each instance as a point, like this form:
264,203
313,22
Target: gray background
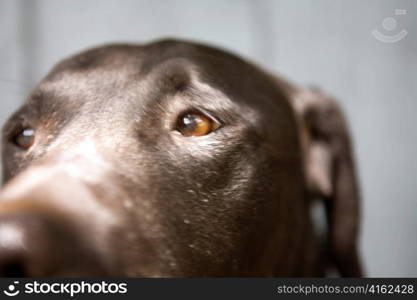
323,42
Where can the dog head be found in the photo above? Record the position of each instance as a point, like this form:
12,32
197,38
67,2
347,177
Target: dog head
170,159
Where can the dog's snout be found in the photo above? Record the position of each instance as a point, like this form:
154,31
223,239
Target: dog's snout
12,250
36,246
46,227
26,246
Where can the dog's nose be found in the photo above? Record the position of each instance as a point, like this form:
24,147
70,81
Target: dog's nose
37,246
26,246
53,224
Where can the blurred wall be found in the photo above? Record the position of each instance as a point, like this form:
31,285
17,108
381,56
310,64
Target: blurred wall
322,42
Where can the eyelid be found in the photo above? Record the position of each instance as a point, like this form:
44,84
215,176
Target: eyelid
13,130
214,119
205,112
15,123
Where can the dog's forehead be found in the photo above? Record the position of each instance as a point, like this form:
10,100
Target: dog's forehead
115,66
130,76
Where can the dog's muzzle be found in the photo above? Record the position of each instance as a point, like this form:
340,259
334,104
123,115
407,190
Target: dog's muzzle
49,227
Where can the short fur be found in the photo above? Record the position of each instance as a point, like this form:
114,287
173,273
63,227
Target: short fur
111,179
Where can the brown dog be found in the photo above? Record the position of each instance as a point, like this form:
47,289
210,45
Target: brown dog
174,159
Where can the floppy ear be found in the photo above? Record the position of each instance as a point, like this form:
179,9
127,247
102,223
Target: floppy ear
330,174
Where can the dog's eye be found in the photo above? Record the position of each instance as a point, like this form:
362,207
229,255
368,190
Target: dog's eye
196,124
25,138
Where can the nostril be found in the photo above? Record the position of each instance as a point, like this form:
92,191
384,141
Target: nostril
17,249
12,250
12,262
37,246
13,269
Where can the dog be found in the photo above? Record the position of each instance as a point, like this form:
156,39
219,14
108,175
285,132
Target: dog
175,159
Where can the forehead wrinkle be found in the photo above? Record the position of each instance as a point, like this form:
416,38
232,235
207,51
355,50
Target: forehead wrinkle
216,100
192,87
163,80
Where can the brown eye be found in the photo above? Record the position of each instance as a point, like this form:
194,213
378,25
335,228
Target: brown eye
196,124
25,138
